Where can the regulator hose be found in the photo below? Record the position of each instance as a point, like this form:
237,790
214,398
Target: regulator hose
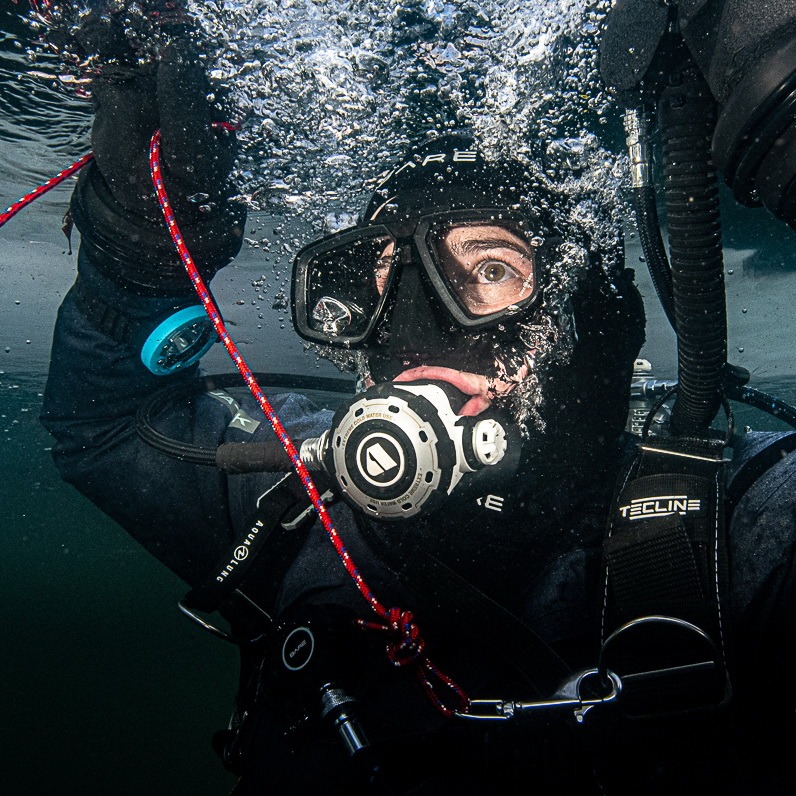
764,402
649,232
639,148
687,115
231,456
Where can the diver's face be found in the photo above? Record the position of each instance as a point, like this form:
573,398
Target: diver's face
487,268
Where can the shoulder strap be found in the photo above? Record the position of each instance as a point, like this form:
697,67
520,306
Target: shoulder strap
258,559
665,579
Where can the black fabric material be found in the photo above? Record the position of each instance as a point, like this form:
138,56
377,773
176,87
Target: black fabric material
767,456
665,556
449,173
658,567
641,21
258,558
457,601
116,237
102,316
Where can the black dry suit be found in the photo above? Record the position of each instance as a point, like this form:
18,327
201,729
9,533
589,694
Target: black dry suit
506,605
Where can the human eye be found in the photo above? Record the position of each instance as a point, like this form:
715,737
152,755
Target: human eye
486,267
494,271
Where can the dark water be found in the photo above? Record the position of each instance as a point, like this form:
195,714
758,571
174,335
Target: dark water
105,688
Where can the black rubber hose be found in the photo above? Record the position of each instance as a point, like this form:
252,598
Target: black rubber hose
687,115
271,458
649,231
764,402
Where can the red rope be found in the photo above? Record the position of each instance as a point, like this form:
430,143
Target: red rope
407,645
42,189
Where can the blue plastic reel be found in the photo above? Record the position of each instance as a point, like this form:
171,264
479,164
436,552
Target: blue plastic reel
179,341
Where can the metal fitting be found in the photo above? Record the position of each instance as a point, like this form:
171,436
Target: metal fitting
638,147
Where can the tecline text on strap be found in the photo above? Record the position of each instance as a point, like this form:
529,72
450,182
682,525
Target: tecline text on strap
664,574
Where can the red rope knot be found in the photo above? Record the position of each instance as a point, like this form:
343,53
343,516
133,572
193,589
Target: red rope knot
409,645
406,645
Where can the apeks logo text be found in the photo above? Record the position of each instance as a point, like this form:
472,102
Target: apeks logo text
659,506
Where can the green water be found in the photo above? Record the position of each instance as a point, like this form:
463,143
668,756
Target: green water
107,690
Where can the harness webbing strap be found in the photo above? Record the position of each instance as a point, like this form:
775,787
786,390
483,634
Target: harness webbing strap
258,559
665,576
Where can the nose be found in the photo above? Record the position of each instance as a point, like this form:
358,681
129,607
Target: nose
415,323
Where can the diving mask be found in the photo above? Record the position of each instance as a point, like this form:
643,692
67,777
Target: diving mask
482,265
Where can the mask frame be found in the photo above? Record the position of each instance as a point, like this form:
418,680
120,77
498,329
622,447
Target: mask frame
413,247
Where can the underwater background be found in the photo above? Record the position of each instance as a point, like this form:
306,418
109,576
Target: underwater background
106,688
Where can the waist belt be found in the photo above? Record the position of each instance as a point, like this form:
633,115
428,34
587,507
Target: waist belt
664,623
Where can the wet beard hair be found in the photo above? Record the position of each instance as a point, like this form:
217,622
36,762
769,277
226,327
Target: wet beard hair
537,345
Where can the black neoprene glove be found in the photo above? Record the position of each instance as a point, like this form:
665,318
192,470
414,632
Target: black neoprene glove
114,205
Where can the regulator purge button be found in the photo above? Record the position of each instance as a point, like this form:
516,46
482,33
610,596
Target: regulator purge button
489,442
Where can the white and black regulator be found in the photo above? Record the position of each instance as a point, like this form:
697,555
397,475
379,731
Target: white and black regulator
395,451
400,449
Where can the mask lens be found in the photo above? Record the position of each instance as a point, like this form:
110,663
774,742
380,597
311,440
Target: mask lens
346,286
486,267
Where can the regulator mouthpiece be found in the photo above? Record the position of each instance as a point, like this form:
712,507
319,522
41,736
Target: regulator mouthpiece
399,450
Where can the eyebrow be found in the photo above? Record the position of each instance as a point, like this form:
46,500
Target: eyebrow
472,245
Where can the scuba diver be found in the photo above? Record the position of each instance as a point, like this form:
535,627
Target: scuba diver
471,480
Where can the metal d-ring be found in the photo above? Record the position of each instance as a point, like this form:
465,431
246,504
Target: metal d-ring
669,621
217,631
